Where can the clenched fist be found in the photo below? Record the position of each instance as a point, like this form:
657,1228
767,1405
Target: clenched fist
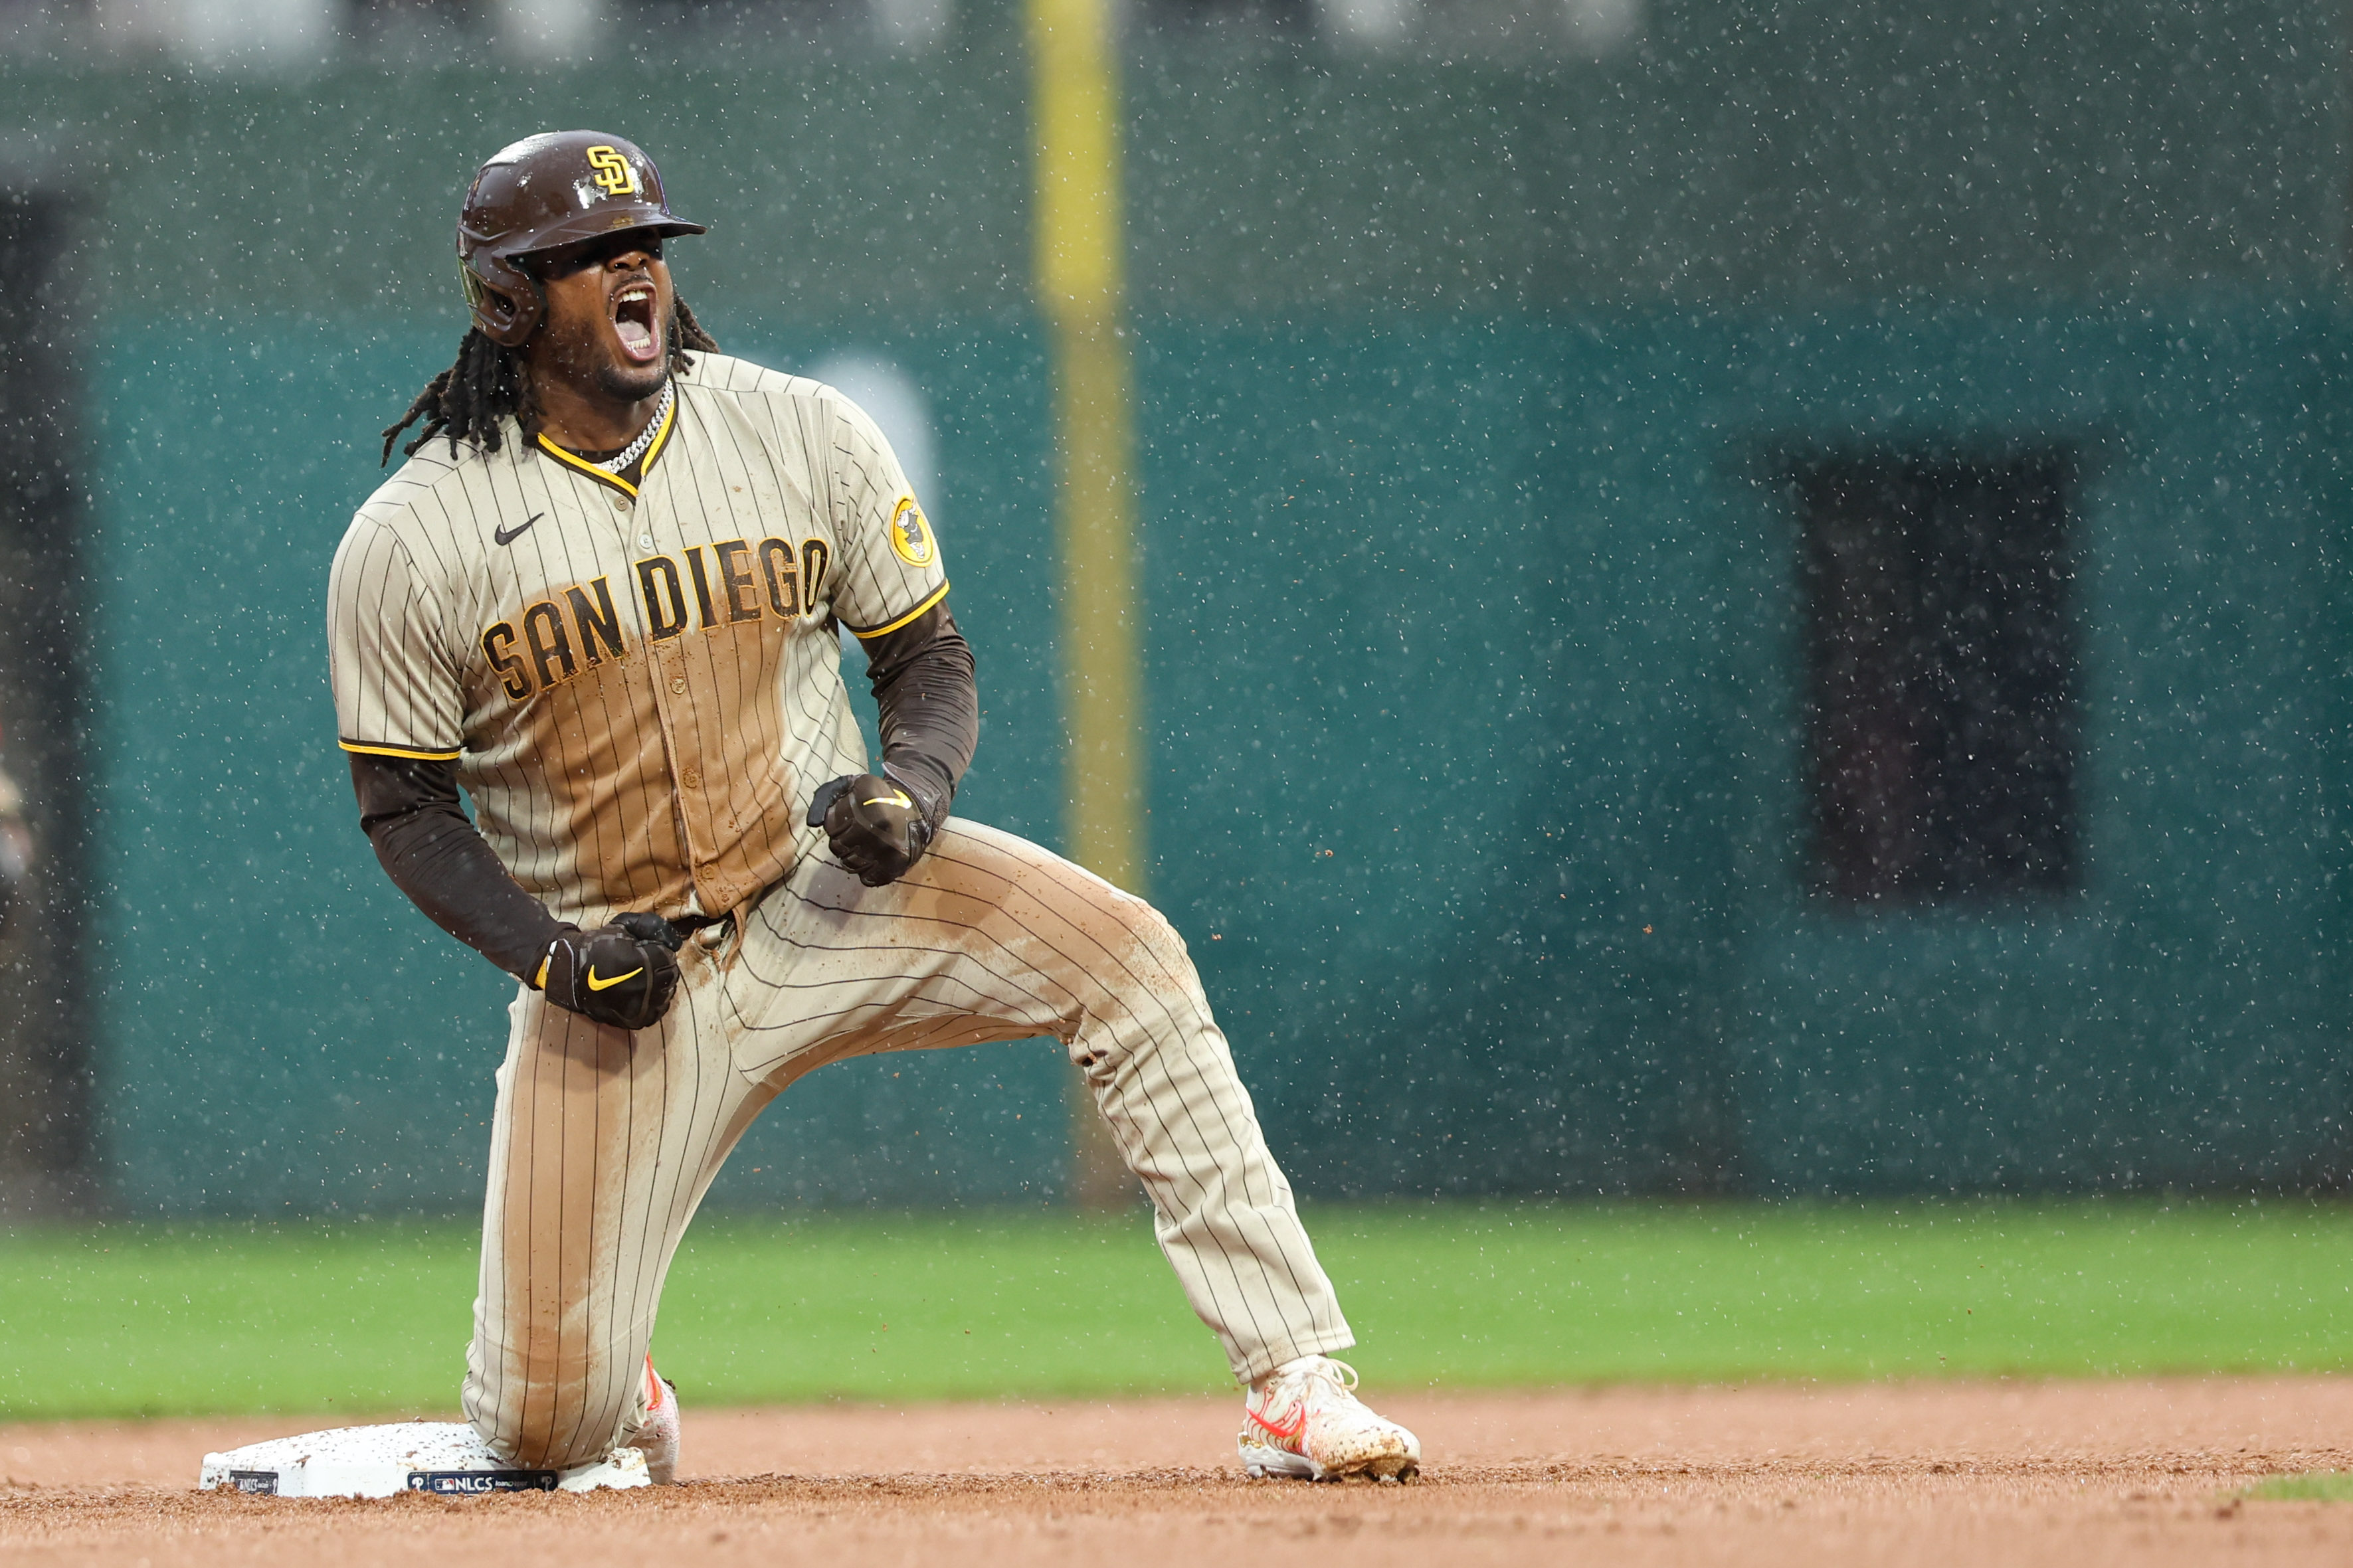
622,974
877,829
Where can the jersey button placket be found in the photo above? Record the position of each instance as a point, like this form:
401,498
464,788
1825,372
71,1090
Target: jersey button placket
693,806
693,809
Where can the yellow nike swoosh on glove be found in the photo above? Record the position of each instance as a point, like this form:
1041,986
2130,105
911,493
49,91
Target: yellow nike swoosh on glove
898,798
597,984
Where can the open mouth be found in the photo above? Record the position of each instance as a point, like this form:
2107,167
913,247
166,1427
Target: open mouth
633,321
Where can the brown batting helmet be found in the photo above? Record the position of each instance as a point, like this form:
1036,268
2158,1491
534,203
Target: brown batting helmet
547,191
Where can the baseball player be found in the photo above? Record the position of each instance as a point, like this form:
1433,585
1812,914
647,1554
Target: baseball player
601,598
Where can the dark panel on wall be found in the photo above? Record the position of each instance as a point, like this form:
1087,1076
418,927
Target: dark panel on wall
44,1015
1940,674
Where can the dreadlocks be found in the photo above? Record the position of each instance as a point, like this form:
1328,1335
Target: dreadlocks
467,401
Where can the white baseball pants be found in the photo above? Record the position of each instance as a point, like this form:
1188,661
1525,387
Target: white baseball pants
604,1142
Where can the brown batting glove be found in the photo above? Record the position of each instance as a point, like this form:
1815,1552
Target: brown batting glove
622,974
877,829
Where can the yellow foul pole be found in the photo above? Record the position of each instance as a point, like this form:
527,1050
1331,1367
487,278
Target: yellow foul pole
1078,244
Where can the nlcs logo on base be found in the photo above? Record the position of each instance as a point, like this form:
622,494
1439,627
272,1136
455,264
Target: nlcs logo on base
476,1483
911,536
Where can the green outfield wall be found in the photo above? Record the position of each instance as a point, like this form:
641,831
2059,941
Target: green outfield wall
1472,602
1473,771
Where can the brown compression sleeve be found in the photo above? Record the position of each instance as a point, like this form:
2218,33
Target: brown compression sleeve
930,706
409,811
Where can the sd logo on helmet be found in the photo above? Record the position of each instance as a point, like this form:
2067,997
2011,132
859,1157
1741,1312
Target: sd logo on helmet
543,193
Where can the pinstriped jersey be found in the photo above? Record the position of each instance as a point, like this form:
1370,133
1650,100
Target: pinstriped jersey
639,683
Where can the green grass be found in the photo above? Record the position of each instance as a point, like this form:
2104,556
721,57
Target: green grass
2314,1486
139,1319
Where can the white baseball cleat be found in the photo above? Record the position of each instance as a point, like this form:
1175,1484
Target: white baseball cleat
445,1457
658,1438
1303,1419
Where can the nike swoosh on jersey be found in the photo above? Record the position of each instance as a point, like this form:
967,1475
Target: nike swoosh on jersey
597,984
508,535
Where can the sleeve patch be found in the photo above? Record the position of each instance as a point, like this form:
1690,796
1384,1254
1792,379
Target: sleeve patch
911,534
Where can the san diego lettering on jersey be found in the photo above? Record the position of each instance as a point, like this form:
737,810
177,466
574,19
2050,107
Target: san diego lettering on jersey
580,626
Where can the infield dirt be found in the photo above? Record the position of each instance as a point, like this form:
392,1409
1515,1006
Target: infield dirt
2074,1473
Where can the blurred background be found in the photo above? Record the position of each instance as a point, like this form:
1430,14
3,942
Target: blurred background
1735,598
